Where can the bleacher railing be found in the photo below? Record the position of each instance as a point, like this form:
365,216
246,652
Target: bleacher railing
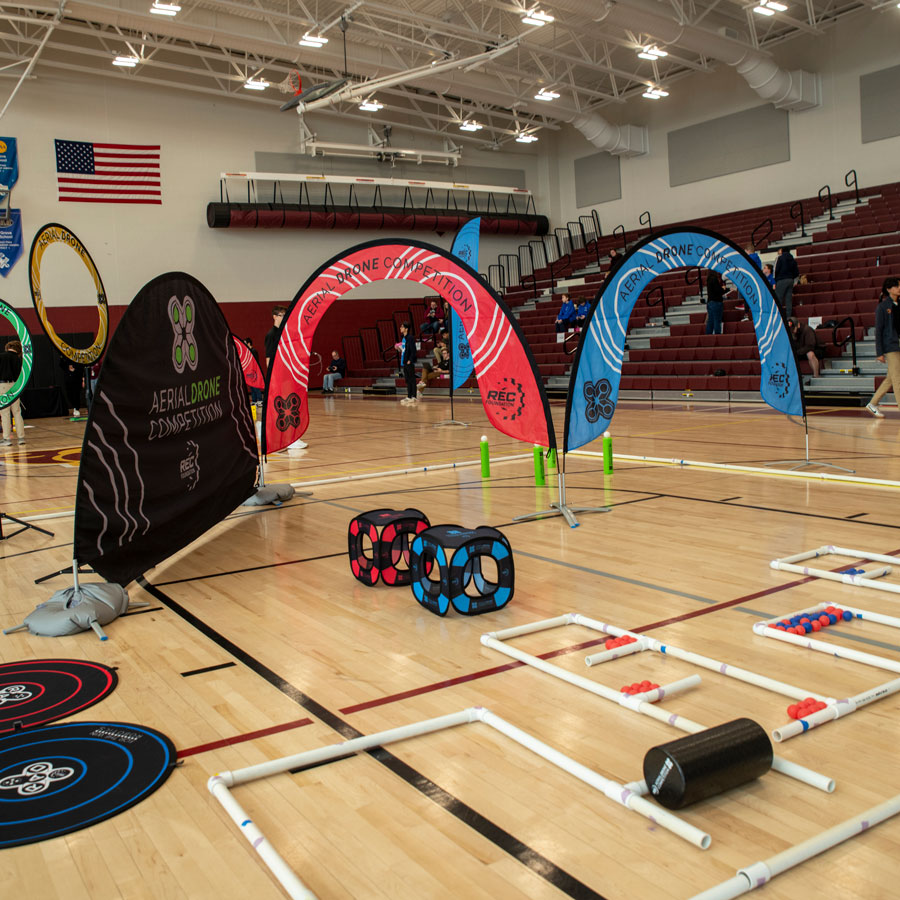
694,275
851,337
619,230
825,189
854,183
797,211
660,300
756,237
646,220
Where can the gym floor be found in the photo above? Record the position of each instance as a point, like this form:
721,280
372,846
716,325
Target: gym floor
259,643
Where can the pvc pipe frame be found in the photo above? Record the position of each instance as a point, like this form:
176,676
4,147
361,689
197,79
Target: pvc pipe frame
821,476
496,640
836,709
629,796
757,874
789,564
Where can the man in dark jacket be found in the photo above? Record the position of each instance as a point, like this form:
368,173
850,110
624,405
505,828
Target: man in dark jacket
786,273
887,344
806,344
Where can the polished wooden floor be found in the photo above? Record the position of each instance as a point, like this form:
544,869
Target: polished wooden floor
683,554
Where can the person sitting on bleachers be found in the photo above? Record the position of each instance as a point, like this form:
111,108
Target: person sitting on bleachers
434,320
806,345
566,318
430,373
615,260
581,313
337,369
769,275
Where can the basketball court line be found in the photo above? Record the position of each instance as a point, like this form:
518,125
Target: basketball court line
534,861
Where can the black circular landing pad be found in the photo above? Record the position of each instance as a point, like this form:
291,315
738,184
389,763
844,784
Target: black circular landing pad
37,691
59,778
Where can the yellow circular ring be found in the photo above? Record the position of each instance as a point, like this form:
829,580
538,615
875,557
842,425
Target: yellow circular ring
54,233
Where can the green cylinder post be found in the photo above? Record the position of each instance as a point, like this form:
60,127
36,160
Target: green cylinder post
551,458
539,478
485,458
607,453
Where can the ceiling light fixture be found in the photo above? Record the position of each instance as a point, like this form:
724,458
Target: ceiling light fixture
654,93
544,94
313,40
769,7
537,17
126,62
526,138
371,105
164,9
256,84
652,52
470,125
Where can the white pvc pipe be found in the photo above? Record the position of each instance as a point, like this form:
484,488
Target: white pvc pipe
836,710
792,770
821,476
759,873
411,471
285,875
869,616
654,695
866,580
595,659
714,665
530,628
838,650
612,789
863,554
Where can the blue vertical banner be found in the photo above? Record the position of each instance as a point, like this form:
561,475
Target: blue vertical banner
10,240
594,383
9,163
465,247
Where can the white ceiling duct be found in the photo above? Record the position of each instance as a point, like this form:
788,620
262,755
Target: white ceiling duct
796,90
254,36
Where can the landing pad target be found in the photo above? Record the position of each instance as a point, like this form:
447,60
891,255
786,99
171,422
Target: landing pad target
60,778
37,691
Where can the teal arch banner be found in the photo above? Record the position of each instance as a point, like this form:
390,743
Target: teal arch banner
594,383
9,397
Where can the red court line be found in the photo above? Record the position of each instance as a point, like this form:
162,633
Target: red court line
240,738
474,676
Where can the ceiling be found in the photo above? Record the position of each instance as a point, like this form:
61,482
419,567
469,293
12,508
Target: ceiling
588,54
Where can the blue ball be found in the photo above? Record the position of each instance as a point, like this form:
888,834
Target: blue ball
847,615
807,627
832,618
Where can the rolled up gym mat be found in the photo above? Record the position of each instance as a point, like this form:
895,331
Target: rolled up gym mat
702,765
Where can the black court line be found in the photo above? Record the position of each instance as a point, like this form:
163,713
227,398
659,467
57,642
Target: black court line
227,665
729,499
37,550
855,515
287,562
540,865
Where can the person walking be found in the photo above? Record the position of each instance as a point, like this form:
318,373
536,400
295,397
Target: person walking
887,344
715,302
786,273
10,367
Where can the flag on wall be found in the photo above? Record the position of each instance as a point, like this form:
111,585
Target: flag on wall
89,172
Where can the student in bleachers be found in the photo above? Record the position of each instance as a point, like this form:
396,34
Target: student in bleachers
615,260
715,302
434,320
786,274
887,344
337,369
754,256
806,344
565,320
581,313
769,275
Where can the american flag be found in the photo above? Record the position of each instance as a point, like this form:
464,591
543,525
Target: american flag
108,173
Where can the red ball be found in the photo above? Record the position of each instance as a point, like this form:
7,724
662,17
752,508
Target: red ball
824,621
816,626
793,710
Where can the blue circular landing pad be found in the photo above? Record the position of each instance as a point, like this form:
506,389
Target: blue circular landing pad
59,778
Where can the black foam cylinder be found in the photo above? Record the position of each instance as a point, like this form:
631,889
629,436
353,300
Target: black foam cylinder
705,764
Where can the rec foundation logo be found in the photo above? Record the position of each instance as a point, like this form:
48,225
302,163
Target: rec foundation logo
288,410
190,465
780,379
508,400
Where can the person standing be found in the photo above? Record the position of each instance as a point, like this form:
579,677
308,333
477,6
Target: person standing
272,335
715,302
753,256
337,369
887,344
786,273
408,363
256,393
73,382
10,367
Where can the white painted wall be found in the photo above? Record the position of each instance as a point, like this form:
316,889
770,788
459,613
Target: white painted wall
825,142
200,136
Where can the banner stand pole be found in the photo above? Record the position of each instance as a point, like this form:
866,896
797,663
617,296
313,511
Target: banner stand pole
75,573
452,420
794,464
560,507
